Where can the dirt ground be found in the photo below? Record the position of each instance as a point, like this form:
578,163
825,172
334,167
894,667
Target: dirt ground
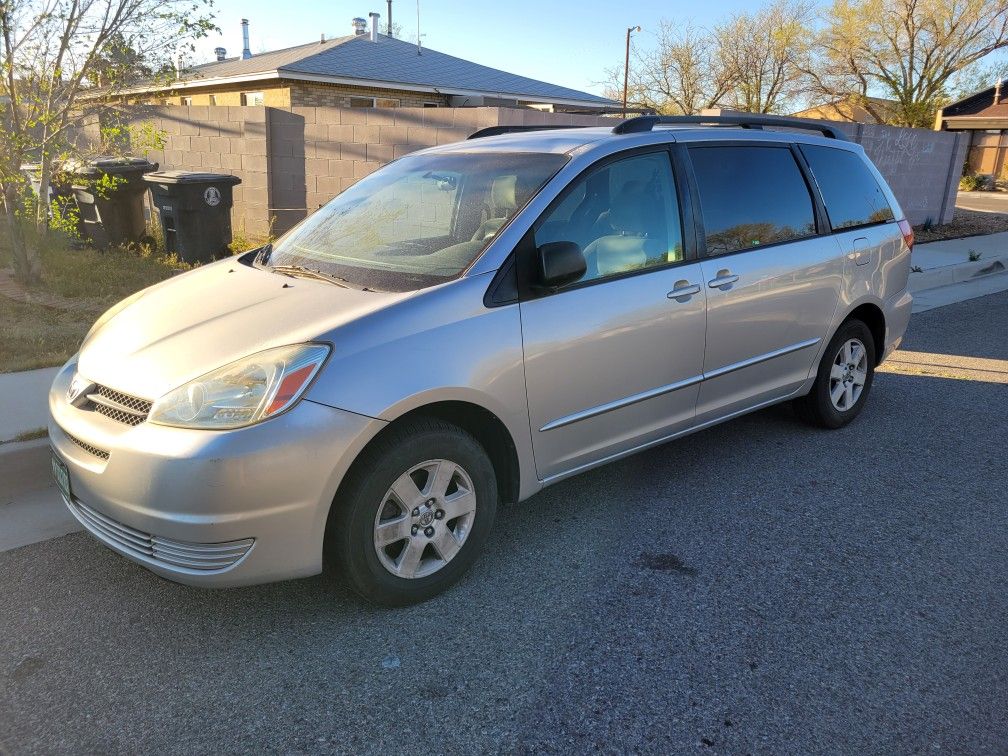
965,223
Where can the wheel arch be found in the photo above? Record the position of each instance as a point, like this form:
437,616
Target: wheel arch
872,316
488,429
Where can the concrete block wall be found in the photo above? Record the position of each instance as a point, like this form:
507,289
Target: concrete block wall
219,139
922,167
317,152
293,160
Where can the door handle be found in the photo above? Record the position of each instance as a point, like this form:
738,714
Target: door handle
682,290
724,279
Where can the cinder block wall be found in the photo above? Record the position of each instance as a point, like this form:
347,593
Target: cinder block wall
922,167
218,139
317,152
293,160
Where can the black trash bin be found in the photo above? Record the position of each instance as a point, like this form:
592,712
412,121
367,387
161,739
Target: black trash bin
195,210
112,216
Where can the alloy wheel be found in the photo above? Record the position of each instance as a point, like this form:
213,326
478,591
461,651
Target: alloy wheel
424,518
848,375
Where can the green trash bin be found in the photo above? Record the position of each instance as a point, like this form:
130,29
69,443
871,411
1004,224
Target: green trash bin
195,212
116,216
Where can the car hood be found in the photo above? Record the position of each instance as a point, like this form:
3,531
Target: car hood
189,325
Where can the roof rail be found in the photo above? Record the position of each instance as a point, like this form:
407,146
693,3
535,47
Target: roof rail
745,120
490,131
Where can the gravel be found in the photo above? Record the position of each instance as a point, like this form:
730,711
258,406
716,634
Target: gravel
760,587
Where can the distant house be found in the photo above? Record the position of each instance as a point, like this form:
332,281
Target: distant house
852,108
360,70
984,115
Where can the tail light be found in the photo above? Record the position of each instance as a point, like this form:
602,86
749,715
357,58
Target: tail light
907,231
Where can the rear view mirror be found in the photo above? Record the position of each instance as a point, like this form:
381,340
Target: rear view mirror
560,263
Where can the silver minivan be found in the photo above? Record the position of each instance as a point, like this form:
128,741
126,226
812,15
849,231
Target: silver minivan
467,325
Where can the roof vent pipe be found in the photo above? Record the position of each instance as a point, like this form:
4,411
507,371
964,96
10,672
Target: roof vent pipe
220,52
374,25
390,18
997,92
359,26
246,53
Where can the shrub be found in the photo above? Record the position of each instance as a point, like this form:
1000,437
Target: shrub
970,182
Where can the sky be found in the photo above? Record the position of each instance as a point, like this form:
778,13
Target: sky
565,42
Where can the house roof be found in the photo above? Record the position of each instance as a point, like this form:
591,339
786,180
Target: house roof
390,63
980,105
880,103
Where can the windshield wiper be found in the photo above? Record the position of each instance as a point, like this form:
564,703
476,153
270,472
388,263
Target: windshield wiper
299,271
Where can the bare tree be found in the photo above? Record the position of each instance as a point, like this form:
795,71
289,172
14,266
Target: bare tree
764,53
682,73
50,52
906,50
750,62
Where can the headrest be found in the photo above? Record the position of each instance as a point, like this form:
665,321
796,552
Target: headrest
627,210
502,193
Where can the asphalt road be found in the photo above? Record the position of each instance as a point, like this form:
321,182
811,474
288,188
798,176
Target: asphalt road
761,587
990,202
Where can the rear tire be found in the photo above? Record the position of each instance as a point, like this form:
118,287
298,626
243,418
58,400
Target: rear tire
414,513
844,378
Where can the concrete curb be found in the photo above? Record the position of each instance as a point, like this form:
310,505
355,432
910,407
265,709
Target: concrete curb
946,275
24,467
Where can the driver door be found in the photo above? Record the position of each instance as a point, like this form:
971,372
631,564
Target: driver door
613,361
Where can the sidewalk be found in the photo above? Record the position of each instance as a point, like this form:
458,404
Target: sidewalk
947,274
24,401
939,254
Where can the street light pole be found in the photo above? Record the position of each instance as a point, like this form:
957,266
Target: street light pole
626,65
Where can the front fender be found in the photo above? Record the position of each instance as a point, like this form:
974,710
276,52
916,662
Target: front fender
441,345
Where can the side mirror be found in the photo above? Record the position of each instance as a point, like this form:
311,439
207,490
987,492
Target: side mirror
560,263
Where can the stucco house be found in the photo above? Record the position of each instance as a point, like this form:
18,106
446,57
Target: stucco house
984,116
855,109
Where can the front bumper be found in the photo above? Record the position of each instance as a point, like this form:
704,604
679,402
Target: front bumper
213,508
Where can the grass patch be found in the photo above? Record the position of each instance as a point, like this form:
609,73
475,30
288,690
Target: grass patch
100,279
34,336
27,436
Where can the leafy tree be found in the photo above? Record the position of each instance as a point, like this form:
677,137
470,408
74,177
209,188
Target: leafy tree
978,76
51,51
906,50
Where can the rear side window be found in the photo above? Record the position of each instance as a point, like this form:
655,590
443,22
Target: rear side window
850,191
751,196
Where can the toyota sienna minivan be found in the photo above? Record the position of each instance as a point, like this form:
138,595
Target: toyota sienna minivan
467,325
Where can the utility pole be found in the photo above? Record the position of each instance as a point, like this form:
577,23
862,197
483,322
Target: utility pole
626,65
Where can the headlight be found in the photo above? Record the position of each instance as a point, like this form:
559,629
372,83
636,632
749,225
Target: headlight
246,391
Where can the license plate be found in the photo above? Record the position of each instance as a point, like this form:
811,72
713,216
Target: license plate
62,476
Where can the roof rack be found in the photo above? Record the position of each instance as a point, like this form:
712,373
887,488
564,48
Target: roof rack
490,131
745,120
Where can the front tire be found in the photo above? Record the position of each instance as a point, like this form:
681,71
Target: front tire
843,380
414,514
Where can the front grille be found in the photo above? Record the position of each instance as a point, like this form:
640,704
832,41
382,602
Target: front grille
122,408
100,453
152,549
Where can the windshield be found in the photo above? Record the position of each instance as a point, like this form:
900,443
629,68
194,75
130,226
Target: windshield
419,221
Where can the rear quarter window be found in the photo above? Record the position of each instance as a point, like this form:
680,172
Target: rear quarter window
852,195
751,197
